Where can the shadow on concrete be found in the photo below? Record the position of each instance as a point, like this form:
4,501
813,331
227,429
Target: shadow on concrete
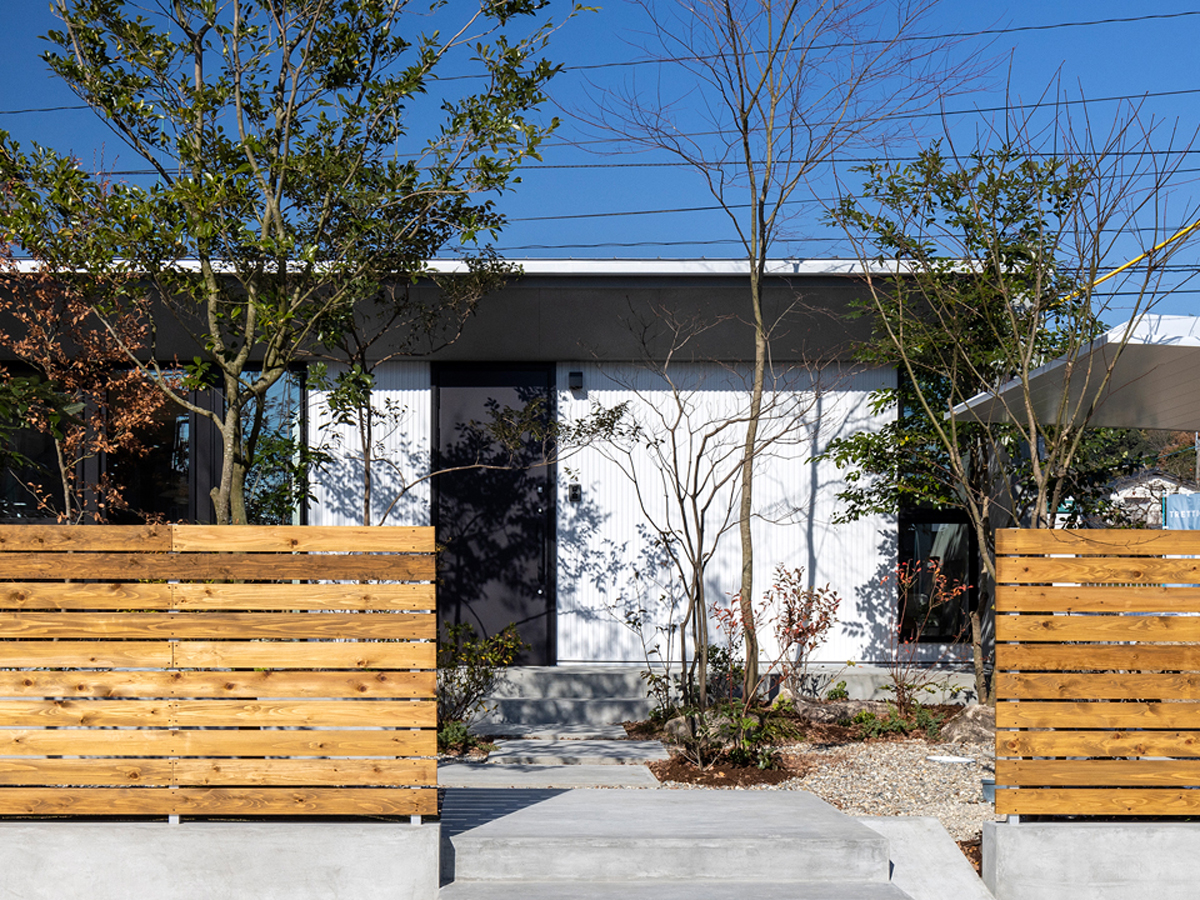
462,809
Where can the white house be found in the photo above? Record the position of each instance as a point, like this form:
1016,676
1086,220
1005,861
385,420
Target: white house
568,551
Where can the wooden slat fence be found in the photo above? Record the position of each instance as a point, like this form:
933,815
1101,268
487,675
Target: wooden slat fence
217,671
1098,673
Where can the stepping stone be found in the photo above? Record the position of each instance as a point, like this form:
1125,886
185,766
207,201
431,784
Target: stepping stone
498,775
576,753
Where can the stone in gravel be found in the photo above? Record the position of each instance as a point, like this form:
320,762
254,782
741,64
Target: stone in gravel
832,712
679,728
975,724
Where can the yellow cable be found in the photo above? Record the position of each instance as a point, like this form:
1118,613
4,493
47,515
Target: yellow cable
1182,232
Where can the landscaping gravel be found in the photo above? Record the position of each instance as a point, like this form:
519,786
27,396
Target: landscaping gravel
894,778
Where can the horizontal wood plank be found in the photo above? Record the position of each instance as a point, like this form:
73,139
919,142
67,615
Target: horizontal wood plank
1096,686
1097,802
364,597
220,654
1096,570
172,683
302,655
78,595
215,597
107,538
306,772
302,538
1182,744
219,566
306,801
1031,598
1098,772
1098,628
219,772
1094,541
86,654
218,801
1084,657
218,713
87,772
185,742
223,625
1100,714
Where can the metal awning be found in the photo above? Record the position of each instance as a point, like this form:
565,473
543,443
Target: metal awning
1155,383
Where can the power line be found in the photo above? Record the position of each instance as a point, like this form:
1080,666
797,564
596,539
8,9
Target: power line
41,109
985,32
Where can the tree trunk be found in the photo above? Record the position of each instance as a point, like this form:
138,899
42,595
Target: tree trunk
746,592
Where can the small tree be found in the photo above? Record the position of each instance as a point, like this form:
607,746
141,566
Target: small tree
54,333
802,618
768,93
684,456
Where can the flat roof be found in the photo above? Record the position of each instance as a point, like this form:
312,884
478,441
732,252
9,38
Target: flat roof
625,267
1153,383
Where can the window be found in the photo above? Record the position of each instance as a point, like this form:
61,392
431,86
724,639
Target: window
933,541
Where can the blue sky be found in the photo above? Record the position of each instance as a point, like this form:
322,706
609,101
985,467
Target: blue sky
551,212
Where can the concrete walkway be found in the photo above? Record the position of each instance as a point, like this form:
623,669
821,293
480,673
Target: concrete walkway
491,775
558,756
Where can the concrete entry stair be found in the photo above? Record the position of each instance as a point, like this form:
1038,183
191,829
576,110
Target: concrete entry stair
568,695
663,844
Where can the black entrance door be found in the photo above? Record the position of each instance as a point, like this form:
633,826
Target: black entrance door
495,515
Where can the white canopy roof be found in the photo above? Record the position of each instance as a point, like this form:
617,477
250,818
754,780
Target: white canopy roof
1155,383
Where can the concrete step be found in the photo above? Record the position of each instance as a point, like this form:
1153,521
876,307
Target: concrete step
565,711
571,683
551,731
742,837
577,753
503,775
668,890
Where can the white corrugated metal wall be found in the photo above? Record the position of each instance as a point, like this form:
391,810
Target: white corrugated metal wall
403,426
608,562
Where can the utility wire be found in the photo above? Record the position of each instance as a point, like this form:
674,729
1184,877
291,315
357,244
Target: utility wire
984,32
952,35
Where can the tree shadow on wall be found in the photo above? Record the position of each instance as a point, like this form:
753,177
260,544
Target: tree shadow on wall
876,604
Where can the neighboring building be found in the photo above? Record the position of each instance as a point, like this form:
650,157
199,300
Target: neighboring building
1140,498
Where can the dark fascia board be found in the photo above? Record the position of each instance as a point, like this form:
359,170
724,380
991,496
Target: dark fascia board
622,310
548,317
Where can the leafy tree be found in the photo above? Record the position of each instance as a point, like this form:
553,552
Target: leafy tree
280,197
976,271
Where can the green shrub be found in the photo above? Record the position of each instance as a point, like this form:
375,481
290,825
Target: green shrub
453,735
838,692
468,669
921,719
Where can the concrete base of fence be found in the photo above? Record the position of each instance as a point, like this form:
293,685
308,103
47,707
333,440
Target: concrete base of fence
230,860
1101,860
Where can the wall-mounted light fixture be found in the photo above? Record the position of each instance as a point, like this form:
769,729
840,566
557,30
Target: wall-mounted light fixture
575,493
575,381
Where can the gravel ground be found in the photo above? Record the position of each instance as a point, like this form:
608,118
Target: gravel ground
895,778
